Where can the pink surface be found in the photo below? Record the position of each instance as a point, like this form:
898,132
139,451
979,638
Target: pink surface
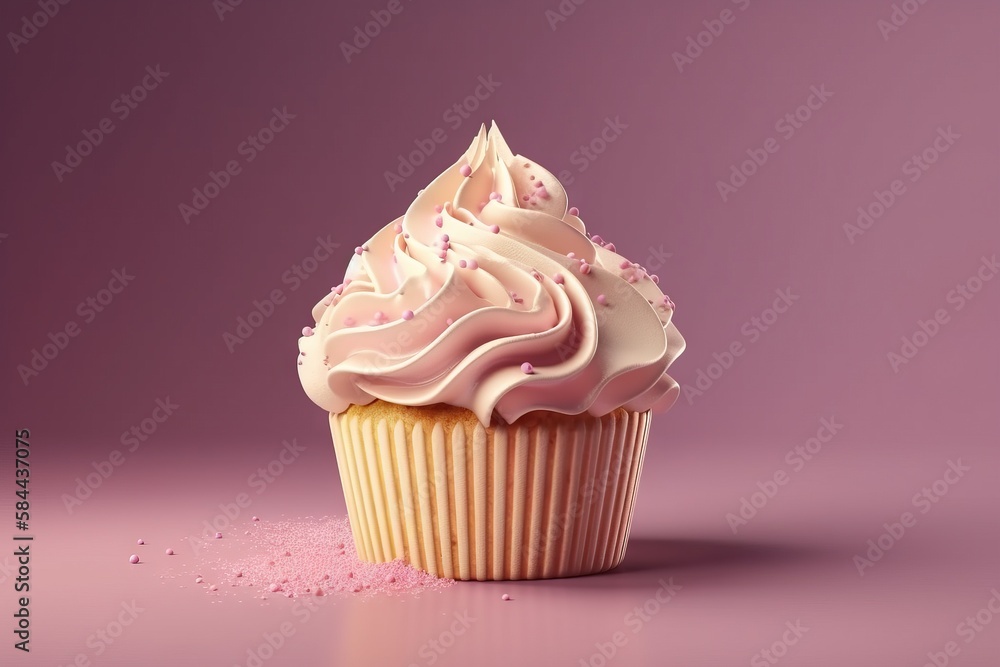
844,361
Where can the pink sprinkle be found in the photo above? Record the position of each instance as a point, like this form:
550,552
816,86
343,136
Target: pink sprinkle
542,192
256,518
632,278
610,246
218,536
573,210
668,303
133,559
596,238
170,552
558,279
139,541
496,196
199,580
482,205
449,321
465,170
358,250
406,236
524,197
505,597
397,228
655,278
213,588
538,184
439,221
585,268
473,264
438,208
601,299
495,229
349,321
306,331
274,588
390,579
527,368
445,238
625,264
239,574
319,592
442,253
462,263
407,314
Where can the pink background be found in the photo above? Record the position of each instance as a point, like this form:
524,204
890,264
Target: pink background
655,187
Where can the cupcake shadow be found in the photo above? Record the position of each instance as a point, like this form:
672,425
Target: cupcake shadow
646,557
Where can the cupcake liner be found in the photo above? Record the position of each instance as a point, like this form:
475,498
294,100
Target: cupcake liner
532,500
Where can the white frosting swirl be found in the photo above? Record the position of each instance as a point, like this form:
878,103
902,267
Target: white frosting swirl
487,294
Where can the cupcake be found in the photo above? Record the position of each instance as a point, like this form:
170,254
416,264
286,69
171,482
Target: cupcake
489,370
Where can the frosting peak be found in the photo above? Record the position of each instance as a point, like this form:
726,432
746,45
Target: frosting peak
488,294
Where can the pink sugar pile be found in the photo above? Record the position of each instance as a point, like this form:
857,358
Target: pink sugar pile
305,557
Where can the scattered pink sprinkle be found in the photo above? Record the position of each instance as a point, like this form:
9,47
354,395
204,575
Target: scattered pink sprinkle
139,541
443,253
170,552
438,208
625,264
495,229
527,368
584,268
397,228
445,238
482,205
496,196
573,210
199,580
133,559
218,536
655,278
610,246
473,264
349,321
407,314
558,279
274,588
439,221
542,191
465,170
668,303
213,588
632,278
524,197
505,597
358,250
239,574
449,321
306,331
390,579
462,263
601,299
596,238
319,592
571,255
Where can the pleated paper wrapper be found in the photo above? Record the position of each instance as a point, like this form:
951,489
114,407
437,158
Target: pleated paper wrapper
536,499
